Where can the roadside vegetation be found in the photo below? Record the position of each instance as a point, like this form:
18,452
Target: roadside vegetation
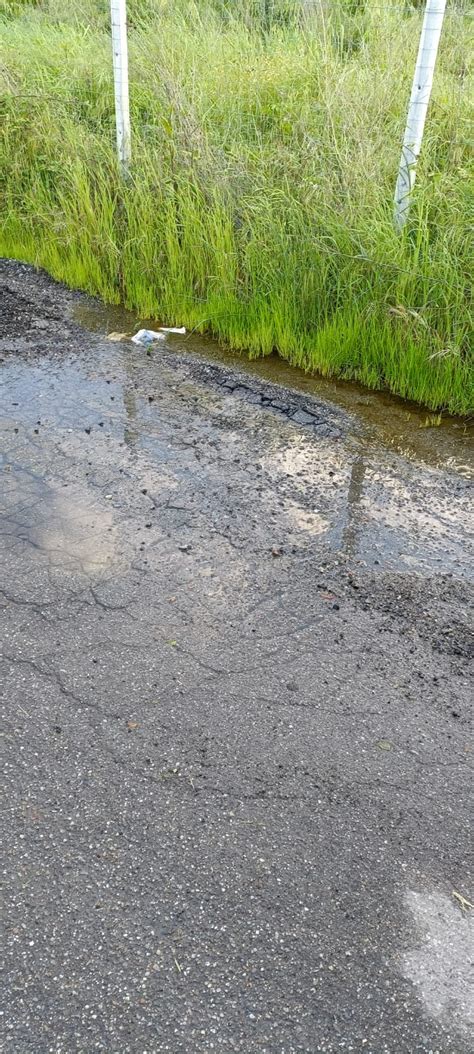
266,140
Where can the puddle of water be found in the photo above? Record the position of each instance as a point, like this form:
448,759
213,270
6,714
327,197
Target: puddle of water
86,421
399,425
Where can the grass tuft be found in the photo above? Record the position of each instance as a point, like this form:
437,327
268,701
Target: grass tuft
266,139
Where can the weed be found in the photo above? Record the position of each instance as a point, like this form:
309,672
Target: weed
266,140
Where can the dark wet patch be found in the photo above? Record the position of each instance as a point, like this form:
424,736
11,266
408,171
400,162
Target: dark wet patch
431,612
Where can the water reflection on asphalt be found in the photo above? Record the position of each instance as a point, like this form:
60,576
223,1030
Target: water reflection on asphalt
366,499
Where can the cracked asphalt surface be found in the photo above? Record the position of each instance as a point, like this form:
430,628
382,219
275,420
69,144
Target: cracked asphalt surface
236,646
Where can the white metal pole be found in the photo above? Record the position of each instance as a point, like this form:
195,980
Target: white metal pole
118,13
419,99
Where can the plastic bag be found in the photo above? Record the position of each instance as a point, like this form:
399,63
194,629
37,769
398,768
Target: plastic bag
147,336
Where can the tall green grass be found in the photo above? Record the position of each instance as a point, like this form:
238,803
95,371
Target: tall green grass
266,139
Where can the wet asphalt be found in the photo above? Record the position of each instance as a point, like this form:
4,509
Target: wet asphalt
237,678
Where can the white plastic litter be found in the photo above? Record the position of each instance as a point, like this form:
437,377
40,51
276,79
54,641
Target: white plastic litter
147,336
172,329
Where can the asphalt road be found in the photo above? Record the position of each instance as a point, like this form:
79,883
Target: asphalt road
236,643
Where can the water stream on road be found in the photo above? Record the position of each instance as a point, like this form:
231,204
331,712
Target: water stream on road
101,433
403,426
